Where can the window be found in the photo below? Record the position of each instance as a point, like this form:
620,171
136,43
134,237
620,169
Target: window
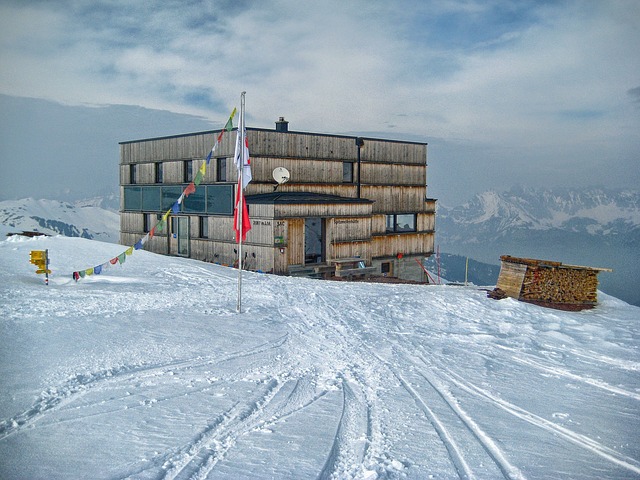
385,268
150,198
220,199
196,202
168,196
406,223
133,174
133,198
221,170
158,172
146,222
188,171
391,220
204,227
347,172
401,223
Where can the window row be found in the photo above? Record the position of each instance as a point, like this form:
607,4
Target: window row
150,220
211,199
187,171
221,172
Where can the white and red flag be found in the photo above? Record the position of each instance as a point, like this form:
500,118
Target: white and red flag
241,221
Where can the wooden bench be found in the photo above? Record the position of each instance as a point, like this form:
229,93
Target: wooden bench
355,272
311,271
351,267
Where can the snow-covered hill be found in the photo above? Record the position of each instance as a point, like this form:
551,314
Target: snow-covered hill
147,372
595,227
86,219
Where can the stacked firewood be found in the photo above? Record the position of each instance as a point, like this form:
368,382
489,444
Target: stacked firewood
560,285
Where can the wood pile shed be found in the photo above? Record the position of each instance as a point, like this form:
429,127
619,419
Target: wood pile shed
548,283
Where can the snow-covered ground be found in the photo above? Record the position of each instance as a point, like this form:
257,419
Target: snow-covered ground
147,372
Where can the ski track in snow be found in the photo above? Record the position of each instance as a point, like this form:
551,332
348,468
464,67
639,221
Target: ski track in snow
347,451
581,440
467,446
55,398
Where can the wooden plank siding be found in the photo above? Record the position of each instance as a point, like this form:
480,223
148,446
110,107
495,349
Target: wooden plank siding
351,249
181,147
312,170
320,210
510,278
264,142
341,230
295,249
383,246
387,199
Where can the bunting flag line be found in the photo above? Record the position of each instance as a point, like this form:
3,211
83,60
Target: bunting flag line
175,208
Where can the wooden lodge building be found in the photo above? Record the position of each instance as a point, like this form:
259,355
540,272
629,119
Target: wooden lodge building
349,202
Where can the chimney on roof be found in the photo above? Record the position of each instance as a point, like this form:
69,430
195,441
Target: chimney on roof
282,125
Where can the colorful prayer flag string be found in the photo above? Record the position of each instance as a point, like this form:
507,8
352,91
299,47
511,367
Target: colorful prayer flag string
160,225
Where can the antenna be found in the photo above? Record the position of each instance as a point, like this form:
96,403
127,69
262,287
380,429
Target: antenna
280,175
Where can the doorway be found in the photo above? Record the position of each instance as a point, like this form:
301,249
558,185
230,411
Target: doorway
183,236
314,240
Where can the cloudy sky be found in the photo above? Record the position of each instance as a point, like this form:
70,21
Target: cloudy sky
540,93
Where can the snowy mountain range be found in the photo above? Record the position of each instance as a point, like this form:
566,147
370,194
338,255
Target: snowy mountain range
87,218
595,227
594,211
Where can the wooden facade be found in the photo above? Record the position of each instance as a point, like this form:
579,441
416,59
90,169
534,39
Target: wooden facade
548,283
325,211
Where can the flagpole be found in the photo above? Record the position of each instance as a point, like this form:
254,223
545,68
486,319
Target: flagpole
239,205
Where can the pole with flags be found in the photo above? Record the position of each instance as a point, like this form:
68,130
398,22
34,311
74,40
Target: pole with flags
242,223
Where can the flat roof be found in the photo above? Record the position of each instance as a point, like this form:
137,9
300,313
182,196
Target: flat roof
212,132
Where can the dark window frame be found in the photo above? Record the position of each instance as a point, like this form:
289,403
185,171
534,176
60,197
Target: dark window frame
188,171
393,223
221,169
159,172
203,223
347,172
133,174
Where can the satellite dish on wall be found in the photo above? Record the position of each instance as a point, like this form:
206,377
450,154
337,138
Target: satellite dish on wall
281,175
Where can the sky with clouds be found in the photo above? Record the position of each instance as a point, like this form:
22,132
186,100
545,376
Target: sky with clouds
505,92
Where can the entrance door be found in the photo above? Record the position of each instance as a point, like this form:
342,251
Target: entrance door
183,236
314,240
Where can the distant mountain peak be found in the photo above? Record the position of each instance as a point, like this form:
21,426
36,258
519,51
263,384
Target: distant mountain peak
54,217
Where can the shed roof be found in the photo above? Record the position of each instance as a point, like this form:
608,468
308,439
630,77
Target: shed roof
294,198
532,262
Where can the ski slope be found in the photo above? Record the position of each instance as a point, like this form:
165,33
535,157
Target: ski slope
147,372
